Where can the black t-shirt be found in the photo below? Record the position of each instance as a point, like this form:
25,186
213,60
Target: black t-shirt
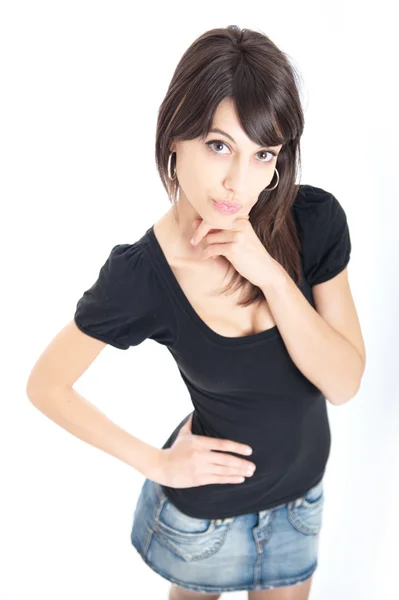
246,388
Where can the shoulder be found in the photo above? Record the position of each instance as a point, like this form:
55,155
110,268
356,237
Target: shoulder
128,256
126,265
323,231
123,306
315,205
123,277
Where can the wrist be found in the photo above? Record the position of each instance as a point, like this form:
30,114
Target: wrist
157,466
276,278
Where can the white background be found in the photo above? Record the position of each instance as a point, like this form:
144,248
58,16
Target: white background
81,84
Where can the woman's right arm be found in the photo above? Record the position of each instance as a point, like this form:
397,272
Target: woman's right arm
189,462
50,389
70,410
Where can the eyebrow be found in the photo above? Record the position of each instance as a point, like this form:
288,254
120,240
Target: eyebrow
216,130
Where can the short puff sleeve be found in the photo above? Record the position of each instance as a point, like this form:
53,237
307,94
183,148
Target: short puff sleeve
324,233
121,307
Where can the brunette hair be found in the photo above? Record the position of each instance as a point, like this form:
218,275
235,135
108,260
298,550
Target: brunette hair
248,67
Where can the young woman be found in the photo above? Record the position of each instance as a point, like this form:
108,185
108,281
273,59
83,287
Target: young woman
244,280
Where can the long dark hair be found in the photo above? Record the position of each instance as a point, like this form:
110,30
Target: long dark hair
248,67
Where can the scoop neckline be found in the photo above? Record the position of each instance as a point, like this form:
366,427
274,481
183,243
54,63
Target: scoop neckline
167,272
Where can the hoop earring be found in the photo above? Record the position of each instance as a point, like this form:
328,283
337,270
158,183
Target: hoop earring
278,179
169,168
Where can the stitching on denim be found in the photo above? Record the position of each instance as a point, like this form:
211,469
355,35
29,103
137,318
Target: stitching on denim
214,589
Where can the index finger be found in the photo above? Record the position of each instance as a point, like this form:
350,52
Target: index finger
225,445
205,228
200,232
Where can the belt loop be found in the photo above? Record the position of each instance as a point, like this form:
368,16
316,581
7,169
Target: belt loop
222,521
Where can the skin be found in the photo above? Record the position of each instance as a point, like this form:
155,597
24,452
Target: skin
236,172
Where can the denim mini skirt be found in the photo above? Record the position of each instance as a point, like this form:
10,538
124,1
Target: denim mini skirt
261,550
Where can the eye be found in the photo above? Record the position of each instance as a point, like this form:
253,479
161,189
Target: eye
219,142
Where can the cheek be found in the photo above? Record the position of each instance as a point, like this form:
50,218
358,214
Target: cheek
261,184
266,178
189,173
204,177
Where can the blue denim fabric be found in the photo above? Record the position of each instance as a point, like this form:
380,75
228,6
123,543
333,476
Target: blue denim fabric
255,551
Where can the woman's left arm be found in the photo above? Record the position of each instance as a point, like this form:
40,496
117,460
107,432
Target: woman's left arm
325,344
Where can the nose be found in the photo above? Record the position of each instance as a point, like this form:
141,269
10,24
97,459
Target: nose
237,179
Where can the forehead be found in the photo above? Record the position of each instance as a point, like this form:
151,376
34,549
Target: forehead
225,121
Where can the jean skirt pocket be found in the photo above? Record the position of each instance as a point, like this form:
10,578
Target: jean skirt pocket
187,537
306,513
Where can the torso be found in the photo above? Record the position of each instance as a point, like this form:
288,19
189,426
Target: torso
200,282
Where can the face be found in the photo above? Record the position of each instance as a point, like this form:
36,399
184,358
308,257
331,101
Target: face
219,168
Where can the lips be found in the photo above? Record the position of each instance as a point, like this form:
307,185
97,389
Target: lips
227,209
228,203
